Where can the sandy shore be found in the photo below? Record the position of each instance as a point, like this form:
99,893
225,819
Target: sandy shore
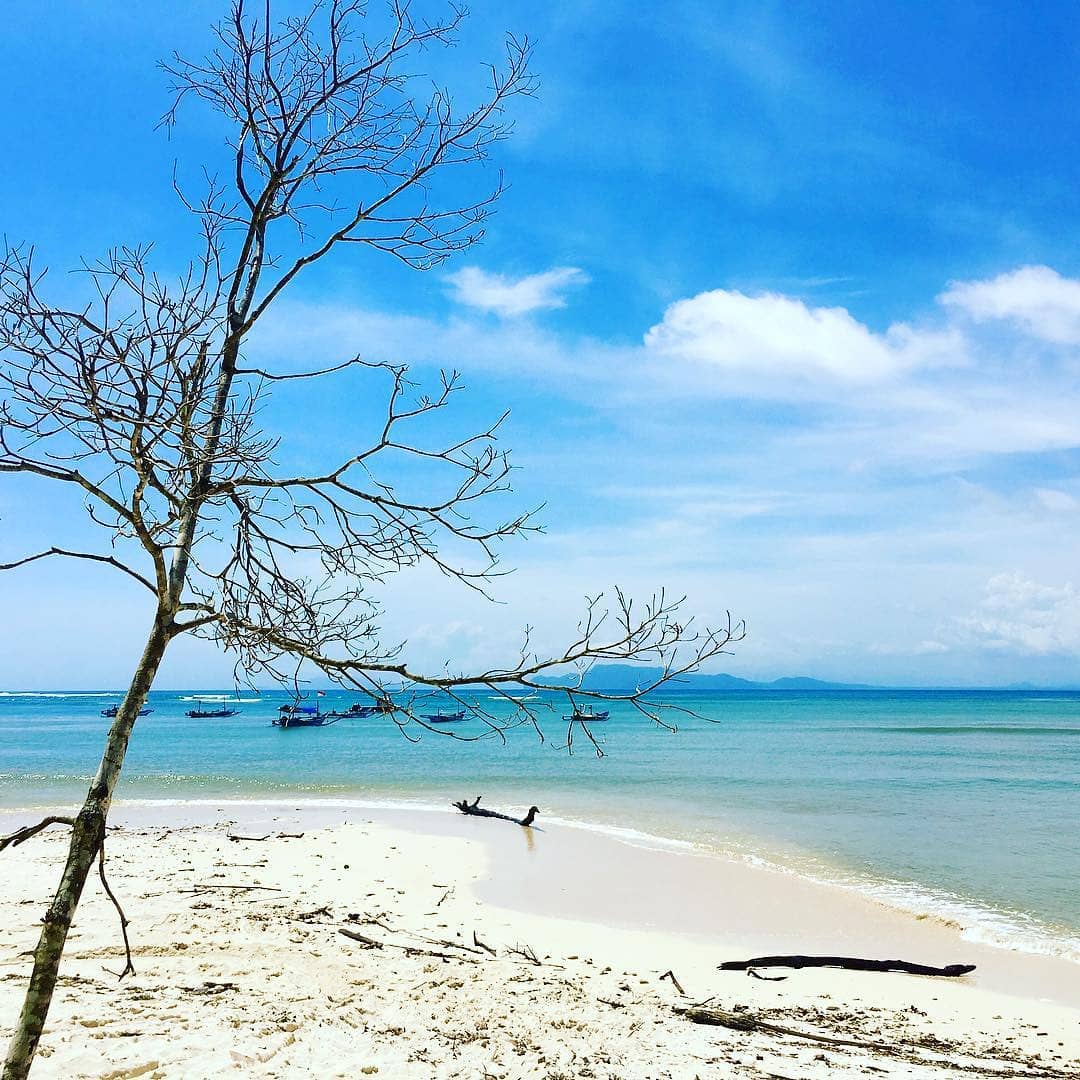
242,968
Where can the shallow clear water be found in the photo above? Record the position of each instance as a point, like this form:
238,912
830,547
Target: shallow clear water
960,803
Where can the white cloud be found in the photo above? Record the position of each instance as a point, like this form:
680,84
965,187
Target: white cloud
1036,298
1057,501
1020,614
928,647
775,336
509,297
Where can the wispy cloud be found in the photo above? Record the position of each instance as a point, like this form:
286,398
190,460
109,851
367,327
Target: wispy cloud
509,297
1058,502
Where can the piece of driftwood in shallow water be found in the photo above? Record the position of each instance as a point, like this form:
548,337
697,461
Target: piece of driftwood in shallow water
849,963
477,810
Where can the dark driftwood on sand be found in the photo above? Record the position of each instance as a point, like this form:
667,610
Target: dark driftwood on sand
476,809
850,963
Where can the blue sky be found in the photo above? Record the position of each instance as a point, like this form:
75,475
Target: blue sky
784,298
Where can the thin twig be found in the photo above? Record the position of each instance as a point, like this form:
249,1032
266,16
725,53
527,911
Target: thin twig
129,967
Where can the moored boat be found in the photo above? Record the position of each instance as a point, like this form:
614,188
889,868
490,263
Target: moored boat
293,720
587,715
211,714
112,710
290,716
357,710
444,717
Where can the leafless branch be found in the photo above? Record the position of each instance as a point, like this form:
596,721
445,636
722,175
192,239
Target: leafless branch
20,836
107,559
139,401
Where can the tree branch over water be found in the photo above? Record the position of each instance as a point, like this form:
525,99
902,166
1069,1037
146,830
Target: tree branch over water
140,401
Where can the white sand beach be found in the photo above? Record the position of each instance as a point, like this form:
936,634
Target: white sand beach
501,953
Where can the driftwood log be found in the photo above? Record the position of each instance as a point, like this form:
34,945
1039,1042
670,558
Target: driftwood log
849,963
908,1051
477,810
743,1021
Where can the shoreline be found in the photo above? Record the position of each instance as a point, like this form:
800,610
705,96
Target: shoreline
979,924
842,796
589,873
242,966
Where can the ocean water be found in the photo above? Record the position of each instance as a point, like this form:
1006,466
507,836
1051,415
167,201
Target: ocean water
960,804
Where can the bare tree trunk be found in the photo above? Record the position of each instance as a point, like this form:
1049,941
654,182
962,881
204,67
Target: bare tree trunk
89,829
86,838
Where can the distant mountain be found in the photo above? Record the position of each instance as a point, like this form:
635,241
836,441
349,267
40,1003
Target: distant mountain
623,677
803,682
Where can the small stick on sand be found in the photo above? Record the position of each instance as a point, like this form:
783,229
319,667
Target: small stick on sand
203,887
481,945
412,950
526,952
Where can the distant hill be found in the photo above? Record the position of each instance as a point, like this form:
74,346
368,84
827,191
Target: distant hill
803,682
623,677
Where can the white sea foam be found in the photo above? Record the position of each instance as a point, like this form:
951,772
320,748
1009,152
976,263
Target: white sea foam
977,922
54,694
974,921
300,802
221,697
632,837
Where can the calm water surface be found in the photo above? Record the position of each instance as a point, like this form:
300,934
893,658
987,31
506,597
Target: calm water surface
961,803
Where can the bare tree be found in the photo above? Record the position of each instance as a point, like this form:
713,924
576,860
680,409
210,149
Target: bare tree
142,404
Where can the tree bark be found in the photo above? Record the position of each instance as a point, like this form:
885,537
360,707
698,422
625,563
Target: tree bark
89,829
86,838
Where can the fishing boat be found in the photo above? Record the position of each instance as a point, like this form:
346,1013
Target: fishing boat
299,710
290,716
287,721
587,716
357,710
211,714
444,717
112,710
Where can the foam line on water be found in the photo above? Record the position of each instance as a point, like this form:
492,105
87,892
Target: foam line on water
55,694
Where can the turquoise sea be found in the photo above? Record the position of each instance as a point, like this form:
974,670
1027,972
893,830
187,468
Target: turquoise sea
963,804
